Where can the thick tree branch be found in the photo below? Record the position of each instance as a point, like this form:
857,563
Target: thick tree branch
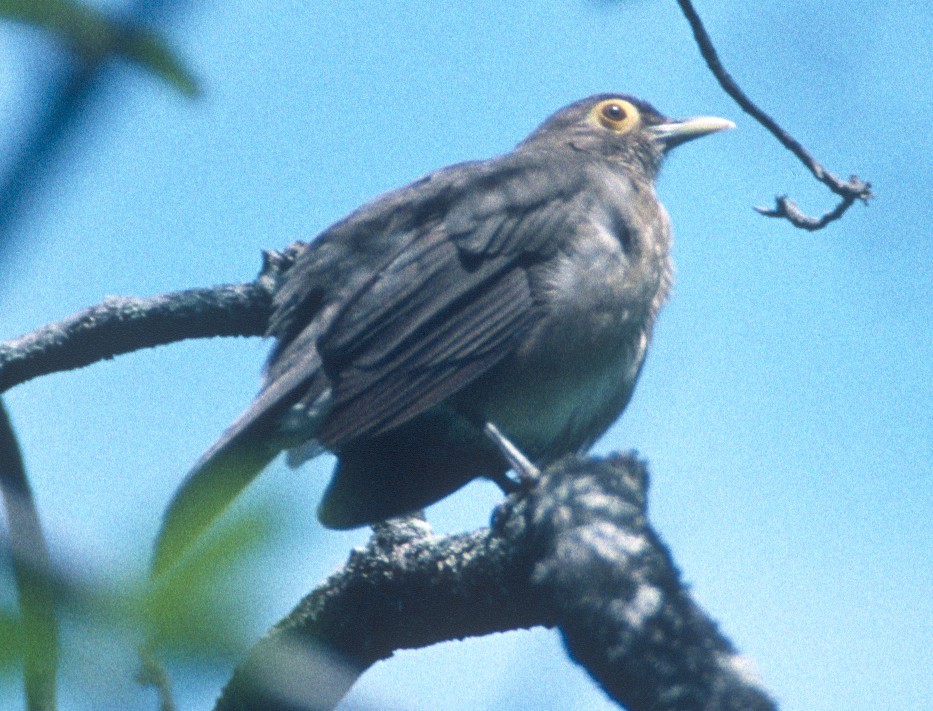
854,189
575,552
121,325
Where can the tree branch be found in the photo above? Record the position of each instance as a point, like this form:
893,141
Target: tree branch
575,552
854,189
121,325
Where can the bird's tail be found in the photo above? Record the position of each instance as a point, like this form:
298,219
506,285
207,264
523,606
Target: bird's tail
214,482
227,468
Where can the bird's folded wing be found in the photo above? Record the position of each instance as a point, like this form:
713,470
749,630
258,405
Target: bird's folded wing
453,300
434,286
430,322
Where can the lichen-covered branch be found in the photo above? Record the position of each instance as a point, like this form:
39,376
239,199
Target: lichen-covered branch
849,191
121,325
575,552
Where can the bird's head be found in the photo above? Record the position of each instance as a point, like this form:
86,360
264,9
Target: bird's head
618,126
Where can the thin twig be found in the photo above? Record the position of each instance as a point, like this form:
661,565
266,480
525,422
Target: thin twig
152,673
121,325
850,191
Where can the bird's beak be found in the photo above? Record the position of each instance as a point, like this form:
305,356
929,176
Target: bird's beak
676,131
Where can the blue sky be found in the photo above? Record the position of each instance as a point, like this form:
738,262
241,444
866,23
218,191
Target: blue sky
786,403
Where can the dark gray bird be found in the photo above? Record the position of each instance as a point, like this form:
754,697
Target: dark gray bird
519,291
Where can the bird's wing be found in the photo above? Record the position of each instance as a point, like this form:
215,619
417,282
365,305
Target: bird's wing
470,198
424,329
449,306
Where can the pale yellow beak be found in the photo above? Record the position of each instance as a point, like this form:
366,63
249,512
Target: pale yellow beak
676,131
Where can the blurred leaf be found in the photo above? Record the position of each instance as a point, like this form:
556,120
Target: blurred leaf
11,642
152,53
195,612
93,34
189,608
29,560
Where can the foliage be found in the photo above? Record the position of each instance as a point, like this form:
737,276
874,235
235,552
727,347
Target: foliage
92,33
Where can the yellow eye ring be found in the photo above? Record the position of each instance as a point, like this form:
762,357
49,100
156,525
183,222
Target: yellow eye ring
617,115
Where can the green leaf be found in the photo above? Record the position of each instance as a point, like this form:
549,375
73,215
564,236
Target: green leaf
198,611
151,52
188,609
94,34
11,646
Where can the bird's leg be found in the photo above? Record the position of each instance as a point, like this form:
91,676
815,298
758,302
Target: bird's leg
527,472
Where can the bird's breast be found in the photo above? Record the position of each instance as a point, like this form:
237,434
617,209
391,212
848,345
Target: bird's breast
572,376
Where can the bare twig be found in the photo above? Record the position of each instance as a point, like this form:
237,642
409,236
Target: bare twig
850,191
576,552
30,559
121,325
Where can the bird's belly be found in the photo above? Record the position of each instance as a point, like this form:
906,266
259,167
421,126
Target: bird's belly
557,401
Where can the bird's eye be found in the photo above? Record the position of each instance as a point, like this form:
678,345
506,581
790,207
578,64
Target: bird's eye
616,114
613,112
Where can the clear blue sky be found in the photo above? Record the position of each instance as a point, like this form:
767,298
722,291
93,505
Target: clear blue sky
786,407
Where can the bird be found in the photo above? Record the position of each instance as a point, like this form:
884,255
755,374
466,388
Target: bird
518,292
